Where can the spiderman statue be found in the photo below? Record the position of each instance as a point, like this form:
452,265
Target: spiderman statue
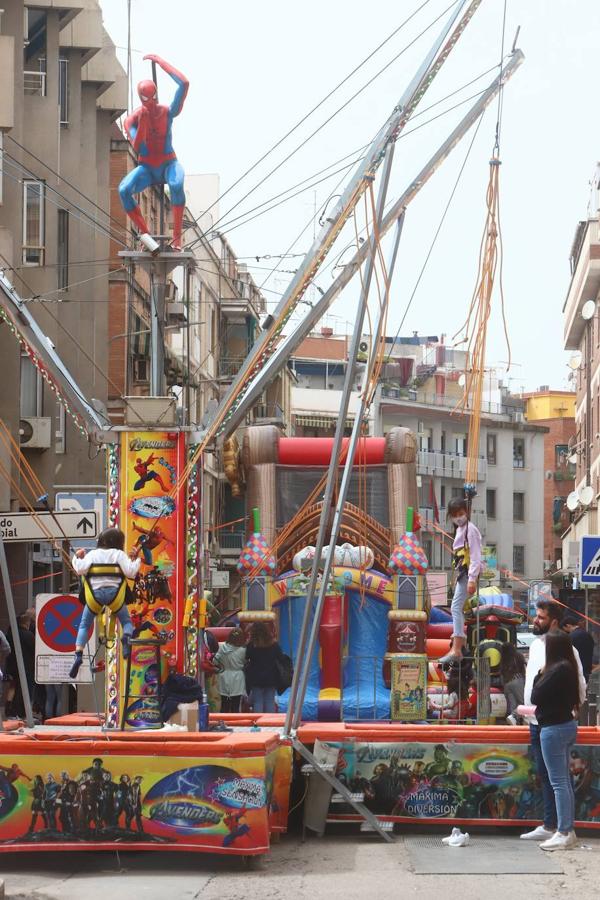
149,130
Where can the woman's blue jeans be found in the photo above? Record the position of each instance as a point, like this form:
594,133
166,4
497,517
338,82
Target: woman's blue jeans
104,596
557,742
262,699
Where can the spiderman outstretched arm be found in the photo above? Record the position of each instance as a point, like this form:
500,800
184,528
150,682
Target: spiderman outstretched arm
180,80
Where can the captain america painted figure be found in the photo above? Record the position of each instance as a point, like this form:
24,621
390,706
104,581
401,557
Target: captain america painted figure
149,130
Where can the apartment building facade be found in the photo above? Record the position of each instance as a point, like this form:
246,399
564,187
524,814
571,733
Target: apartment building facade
62,88
420,389
581,319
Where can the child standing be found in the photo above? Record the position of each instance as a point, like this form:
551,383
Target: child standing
467,566
104,572
231,658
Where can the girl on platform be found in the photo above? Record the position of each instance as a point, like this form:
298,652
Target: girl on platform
467,565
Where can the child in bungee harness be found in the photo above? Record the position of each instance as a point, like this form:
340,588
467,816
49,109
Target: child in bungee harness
104,572
467,565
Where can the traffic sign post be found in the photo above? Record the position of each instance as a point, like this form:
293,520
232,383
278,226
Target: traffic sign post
82,501
48,526
58,617
589,559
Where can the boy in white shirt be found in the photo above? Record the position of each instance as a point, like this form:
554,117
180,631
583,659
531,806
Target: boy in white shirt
105,570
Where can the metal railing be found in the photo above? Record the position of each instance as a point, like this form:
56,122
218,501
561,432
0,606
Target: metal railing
229,366
365,673
449,465
449,402
268,411
231,541
34,83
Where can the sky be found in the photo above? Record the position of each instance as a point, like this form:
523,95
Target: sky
257,68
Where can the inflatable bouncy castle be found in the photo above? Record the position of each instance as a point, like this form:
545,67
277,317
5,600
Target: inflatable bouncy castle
377,647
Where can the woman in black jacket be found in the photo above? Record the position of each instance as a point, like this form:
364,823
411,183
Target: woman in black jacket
555,695
262,675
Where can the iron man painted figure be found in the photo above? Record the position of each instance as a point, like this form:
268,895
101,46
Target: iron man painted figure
149,130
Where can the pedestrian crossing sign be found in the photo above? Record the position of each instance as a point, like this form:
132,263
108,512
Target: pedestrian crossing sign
589,559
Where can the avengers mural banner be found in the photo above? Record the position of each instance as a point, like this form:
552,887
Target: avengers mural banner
463,782
152,517
222,805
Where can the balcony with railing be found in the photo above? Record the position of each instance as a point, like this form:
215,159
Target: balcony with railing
445,400
229,366
448,465
268,414
229,544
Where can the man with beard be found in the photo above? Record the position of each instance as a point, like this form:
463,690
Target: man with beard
548,616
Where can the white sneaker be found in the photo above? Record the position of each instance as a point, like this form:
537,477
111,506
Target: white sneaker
455,833
459,840
538,834
560,841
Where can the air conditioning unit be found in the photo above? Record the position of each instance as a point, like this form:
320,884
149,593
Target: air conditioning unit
141,369
35,432
177,313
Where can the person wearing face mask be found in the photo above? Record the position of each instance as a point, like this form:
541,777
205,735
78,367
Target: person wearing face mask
547,618
467,565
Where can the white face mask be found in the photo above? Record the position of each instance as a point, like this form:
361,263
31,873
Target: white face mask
459,520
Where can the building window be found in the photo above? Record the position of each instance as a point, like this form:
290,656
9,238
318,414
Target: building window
519,506
63,90
561,456
30,389
519,559
443,496
62,253
460,444
491,449
443,442
518,453
490,503
33,222
458,492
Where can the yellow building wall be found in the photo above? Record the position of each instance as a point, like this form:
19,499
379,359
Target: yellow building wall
550,405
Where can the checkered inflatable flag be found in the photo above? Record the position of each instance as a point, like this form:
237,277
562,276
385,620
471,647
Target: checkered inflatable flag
256,557
408,557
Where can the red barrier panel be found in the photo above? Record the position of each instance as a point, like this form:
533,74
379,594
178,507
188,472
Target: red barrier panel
300,451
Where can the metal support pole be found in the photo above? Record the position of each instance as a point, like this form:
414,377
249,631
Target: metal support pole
354,439
157,332
366,814
14,627
298,687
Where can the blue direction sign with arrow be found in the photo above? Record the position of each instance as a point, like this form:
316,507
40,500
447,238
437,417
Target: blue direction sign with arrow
84,502
589,559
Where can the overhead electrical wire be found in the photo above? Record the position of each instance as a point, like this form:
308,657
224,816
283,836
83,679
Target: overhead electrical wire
316,107
336,112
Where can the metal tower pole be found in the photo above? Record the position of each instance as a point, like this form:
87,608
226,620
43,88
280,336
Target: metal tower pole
301,652
343,490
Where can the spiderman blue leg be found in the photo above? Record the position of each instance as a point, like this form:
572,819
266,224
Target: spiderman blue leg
134,183
174,176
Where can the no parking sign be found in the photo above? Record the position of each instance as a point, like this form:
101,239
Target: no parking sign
57,621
